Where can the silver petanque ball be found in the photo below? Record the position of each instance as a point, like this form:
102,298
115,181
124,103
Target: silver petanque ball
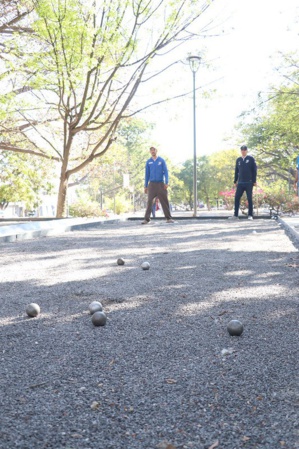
145,266
95,306
33,310
235,327
120,261
99,319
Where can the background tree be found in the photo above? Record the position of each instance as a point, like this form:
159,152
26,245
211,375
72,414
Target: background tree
207,185
84,65
272,129
223,163
186,177
22,180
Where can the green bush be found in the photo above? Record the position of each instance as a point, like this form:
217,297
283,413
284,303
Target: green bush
122,205
282,202
229,199
86,208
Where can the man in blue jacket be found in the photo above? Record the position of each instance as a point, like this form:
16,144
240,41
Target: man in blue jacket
156,184
245,179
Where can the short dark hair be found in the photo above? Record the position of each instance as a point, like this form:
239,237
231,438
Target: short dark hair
243,147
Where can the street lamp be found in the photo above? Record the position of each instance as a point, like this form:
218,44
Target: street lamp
194,62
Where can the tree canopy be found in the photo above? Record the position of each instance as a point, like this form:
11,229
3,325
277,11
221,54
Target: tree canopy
272,129
80,66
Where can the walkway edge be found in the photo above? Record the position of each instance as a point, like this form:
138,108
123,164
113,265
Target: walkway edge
34,229
291,226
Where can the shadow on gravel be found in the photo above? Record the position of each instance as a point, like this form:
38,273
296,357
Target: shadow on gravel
164,368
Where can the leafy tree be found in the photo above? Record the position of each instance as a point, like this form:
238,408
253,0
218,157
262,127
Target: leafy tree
85,64
272,130
223,163
186,177
207,185
214,174
22,180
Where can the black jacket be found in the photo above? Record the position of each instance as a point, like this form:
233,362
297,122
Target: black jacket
245,170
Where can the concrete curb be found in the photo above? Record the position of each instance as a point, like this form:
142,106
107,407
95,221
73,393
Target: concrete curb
202,217
34,229
291,226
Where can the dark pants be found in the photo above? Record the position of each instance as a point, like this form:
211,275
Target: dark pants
241,188
156,189
154,210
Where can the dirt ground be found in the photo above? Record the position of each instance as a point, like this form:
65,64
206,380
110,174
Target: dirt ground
164,372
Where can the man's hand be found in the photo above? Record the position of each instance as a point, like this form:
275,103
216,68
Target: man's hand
145,189
165,186
255,184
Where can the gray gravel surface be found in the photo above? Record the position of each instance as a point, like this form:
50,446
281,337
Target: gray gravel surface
164,372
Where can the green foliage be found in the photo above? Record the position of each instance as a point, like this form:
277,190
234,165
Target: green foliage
223,163
186,177
121,203
280,200
214,173
272,130
79,71
24,178
208,185
228,197
84,206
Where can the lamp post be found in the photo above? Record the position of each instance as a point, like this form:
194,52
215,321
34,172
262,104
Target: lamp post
194,62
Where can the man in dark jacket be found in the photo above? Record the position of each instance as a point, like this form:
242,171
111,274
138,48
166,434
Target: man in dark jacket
245,179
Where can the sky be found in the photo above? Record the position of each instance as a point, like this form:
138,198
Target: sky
242,59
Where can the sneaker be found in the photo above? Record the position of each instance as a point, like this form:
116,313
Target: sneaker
170,220
145,222
233,218
250,217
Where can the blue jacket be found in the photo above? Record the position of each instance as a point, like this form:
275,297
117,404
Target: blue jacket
245,170
155,171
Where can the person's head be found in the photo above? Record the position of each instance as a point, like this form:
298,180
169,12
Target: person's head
244,150
153,151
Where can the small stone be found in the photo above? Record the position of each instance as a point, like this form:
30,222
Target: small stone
120,261
95,405
32,310
227,351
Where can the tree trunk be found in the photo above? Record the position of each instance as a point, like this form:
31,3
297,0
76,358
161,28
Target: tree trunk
62,194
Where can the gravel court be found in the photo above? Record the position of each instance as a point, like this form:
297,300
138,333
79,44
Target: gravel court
163,373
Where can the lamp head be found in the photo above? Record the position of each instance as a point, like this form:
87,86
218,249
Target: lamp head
194,62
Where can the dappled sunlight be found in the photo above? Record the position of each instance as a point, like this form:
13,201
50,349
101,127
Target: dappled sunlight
126,305
193,308
239,273
188,267
17,319
249,294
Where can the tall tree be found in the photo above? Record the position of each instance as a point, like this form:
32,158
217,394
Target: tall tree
272,130
86,60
